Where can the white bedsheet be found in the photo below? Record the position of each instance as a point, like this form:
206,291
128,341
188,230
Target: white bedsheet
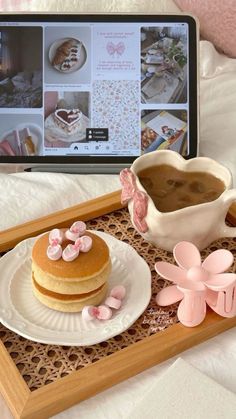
25,196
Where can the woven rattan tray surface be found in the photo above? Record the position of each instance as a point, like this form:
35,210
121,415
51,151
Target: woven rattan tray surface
40,365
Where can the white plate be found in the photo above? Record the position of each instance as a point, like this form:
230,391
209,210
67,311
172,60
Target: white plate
21,312
80,62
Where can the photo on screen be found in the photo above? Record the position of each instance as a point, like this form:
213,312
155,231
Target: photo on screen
164,64
20,67
164,130
66,118
21,135
67,55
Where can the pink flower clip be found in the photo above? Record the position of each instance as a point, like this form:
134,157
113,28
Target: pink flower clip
71,252
198,284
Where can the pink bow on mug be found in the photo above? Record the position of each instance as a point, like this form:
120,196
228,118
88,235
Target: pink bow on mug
130,191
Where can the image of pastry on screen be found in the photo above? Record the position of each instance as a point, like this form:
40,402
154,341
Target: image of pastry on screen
164,64
67,55
164,130
66,118
20,67
21,135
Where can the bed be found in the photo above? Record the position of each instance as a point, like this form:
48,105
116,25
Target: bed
43,193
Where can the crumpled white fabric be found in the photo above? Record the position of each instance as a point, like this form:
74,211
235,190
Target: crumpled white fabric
27,196
90,6
218,107
188,400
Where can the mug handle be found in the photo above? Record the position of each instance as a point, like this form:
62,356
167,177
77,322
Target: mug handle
229,197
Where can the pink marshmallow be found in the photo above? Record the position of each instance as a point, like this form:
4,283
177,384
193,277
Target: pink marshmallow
88,313
55,236
78,227
54,252
103,313
76,230
118,292
70,235
113,302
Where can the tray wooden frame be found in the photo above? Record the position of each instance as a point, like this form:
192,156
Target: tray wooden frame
94,378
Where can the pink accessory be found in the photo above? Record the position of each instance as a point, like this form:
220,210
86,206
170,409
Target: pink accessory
198,283
71,252
140,199
104,312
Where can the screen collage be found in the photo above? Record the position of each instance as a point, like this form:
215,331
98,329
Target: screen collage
93,89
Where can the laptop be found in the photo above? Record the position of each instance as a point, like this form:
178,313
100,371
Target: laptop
91,93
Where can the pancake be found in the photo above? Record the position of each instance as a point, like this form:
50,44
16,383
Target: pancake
69,286
72,304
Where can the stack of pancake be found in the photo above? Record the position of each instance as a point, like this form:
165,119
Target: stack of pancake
69,286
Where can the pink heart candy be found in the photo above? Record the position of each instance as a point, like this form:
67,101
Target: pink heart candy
54,252
113,302
118,292
70,253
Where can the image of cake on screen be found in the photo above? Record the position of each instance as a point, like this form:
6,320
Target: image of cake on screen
20,67
66,118
164,64
21,135
164,130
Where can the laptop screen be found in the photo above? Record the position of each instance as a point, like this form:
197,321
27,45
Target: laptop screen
74,87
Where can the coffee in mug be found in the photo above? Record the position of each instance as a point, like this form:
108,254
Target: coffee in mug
172,189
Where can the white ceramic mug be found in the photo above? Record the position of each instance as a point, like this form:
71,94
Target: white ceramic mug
200,224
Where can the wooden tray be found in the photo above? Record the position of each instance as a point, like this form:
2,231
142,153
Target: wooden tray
95,377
